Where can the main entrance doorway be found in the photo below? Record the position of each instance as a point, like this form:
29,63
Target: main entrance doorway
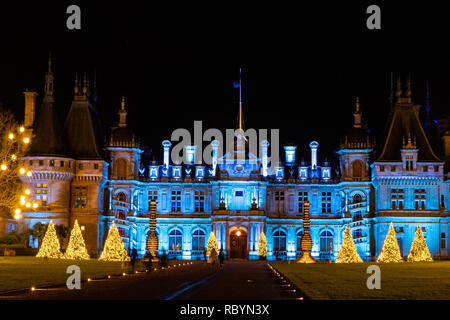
238,244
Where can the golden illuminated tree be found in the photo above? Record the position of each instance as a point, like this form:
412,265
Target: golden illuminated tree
50,247
212,244
419,249
114,250
347,252
76,248
391,250
13,143
262,245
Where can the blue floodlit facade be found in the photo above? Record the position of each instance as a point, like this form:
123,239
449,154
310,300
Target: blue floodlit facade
240,197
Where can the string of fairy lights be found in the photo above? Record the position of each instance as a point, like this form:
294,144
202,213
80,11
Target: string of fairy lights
16,143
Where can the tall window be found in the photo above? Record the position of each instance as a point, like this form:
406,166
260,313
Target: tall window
176,201
279,201
397,198
302,198
79,197
299,240
175,240
326,242
419,199
326,202
152,195
198,240
41,193
357,234
279,240
443,240
199,201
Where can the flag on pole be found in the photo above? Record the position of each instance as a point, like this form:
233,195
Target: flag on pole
236,84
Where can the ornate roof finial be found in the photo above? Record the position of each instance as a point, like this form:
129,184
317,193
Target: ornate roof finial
76,86
357,115
85,84
398,93
408,88
122,114
49,81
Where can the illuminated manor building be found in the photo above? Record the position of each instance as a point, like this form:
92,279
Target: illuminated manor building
239,196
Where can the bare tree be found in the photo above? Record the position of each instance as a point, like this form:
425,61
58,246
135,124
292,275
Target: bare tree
12,147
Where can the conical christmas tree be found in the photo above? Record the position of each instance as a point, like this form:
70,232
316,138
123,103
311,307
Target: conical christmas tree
212,244
76,248
50,247
419,249
348,252
114,250
262,245
390,251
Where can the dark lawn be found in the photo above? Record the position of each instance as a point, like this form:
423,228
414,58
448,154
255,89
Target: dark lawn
420,280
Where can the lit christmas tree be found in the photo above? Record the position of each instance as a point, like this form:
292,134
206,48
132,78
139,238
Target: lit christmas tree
348,252
212,244
262,245
114,250
419,249
50,245
390,251
76,248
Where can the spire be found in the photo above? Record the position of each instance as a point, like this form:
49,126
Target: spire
357,115
122,114
240,137
48,95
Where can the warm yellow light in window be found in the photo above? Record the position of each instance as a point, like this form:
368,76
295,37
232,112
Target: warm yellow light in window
17,216
14,157
4,167
83,227
22,171
11,136
29,173
35,205
21,129
22,202
22,197
26,140
17,211
238,233
28,205
27,191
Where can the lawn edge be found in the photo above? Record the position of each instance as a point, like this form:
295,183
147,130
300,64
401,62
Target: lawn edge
306,297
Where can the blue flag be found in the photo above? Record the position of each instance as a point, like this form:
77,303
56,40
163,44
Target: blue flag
236,84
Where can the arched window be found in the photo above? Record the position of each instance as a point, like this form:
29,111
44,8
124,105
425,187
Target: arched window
357,198
326,243
279,241
198,240
175,240
299,240
121,169
357,169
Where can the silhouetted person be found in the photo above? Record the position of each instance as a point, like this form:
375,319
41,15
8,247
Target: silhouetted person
221,258
149,262
133,258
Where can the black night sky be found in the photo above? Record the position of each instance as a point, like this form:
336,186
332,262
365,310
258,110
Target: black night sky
303,65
